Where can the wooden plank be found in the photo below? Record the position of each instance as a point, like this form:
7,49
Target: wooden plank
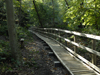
68,61
75,33
76,69
69,65
75,40
82,59
85,61
83,73
80,34
81,46
93,55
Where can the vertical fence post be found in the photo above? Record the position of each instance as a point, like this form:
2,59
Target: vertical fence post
59,35
45,31
65,37
75,40
55,34
93,55
41,31
37,30
51,32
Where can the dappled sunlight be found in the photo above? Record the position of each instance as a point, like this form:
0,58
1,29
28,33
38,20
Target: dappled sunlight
55,45
57,34
70,29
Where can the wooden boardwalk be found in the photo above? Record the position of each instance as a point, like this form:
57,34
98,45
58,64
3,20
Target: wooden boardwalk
75,67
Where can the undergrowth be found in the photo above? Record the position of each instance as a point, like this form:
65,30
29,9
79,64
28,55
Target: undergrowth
7,62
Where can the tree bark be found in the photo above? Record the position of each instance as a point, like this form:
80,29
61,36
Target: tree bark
37,14
53,13
97,27
12,29
20,13
67,4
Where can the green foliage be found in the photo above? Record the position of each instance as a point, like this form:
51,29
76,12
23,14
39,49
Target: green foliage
5,68
6,57
3,23
4,44
3,30
21,32
86,13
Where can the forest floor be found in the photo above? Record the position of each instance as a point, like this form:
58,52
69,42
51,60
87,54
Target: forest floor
36,60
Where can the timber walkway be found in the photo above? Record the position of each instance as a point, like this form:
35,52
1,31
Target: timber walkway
73,62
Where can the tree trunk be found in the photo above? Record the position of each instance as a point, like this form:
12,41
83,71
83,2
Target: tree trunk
53,13
96,25
20,13
12,29
37,14
67,4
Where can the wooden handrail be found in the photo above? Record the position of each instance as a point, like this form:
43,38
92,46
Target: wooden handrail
91,36
76,44
51,32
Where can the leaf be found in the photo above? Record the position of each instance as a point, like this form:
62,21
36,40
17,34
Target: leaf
25,59
55,68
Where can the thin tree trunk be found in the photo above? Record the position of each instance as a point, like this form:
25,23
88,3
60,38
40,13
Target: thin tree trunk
43,1
66,3
37,14
53,13
97,27
20,13
12,29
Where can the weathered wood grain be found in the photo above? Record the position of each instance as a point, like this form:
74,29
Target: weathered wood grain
71,64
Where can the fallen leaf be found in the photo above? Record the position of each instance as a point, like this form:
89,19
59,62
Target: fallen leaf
55,68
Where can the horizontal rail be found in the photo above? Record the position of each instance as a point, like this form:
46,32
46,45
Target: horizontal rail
57,33
76,44
79,45
81,58
76,33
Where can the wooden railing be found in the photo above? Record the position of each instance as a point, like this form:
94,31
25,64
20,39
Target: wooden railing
56,34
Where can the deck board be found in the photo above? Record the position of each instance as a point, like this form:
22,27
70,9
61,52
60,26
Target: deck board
74,66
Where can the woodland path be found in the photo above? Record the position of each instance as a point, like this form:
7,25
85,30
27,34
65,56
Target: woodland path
75,67
36,60
43,64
